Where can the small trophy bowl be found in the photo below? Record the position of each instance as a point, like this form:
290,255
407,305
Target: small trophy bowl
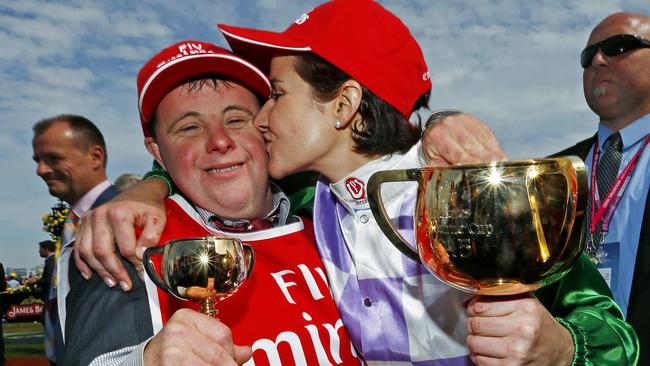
203,270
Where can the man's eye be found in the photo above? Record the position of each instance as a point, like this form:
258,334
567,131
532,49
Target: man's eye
236,122
51,160
275,95
188,128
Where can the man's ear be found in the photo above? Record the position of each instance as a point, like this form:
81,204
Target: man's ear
97,156
152,146
347,102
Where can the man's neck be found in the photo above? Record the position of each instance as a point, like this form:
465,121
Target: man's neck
616,125
620,122
87,187
83,203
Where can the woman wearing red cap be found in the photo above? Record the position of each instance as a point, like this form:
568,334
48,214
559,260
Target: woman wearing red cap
340,106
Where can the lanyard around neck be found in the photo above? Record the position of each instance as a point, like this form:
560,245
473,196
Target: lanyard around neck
610,202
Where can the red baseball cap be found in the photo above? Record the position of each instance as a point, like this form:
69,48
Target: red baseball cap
360,37
186,60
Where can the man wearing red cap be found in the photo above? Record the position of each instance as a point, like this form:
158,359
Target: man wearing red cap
197,102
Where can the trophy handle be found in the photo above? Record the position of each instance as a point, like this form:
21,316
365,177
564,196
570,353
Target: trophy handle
578,194
151,270
379,211
249,258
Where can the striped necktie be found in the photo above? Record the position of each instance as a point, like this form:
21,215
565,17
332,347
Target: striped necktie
609,164
606,175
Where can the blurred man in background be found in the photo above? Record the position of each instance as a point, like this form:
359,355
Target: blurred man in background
46,250
126,180
70,154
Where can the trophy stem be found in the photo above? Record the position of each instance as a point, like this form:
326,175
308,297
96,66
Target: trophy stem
207,307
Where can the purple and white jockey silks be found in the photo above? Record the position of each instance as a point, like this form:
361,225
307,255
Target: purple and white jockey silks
395,311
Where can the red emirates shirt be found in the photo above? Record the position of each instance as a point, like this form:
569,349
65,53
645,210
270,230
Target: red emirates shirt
284,311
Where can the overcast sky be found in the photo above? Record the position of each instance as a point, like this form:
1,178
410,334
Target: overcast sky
514,64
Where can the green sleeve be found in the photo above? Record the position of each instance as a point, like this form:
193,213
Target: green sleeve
582,302
160,173
300,188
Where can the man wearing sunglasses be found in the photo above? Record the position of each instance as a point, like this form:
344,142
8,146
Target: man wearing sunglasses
616,81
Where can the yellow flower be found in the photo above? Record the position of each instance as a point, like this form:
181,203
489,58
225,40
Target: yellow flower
53,222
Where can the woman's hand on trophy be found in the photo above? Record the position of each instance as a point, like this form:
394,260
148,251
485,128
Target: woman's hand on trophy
140,208
515,331
458,138
191,338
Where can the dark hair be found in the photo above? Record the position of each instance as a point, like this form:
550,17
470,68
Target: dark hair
383,130
47,244
194,85
87,133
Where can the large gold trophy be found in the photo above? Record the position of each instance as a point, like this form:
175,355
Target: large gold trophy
493,229
203,270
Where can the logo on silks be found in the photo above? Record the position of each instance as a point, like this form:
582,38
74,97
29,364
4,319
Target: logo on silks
356,188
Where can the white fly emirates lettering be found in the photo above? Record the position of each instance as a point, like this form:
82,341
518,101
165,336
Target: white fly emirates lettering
327,342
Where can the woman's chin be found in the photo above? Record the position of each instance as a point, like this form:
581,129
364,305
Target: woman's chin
279,171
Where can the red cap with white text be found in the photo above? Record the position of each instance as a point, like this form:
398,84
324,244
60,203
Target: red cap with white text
188,60
359,37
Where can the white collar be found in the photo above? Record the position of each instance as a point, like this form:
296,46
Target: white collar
84,204
351,190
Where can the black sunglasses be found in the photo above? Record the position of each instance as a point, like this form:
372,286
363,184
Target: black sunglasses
613,46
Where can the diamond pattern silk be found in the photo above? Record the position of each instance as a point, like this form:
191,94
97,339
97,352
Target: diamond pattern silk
606,175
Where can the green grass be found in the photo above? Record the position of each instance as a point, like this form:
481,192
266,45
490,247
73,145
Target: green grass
23,349
14,328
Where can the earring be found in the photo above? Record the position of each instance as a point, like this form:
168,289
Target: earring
337,124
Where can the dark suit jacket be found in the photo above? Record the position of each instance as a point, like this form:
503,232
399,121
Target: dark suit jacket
104,197
3,287
108,328
3,283
46,279
640,293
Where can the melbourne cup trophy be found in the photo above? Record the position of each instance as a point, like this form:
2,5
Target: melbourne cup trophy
501,228
203,270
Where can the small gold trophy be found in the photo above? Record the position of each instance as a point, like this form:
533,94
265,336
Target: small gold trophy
493,229
203,270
